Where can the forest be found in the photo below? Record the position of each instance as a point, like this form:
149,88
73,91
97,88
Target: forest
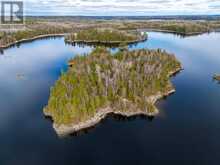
103,35
122,81
87,28
179,27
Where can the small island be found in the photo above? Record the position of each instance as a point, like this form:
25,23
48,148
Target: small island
127,83
216,77
105,36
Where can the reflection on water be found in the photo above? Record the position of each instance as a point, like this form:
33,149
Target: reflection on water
118,118
185,132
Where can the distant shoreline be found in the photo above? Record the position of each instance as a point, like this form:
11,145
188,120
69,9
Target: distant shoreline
31,39
99,42
175,32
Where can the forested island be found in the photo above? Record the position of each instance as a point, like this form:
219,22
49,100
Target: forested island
126,83
105,36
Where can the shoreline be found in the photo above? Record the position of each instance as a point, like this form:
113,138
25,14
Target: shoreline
175,32
101,42
106,42
31,39
64,130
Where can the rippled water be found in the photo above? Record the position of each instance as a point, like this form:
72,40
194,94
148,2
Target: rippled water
187,130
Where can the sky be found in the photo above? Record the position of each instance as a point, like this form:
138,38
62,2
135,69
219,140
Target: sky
121,7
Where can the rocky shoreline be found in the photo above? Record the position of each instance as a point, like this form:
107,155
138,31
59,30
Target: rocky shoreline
64,130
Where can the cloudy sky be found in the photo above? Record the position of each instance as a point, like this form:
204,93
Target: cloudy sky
121,7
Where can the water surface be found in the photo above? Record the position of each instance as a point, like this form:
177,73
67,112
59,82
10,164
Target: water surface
185,132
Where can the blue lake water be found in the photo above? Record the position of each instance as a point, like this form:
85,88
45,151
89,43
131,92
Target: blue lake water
187,130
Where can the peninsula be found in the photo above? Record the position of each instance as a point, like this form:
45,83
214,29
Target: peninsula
126,83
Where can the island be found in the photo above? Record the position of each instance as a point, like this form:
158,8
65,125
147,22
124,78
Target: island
126,83
216,77
106,36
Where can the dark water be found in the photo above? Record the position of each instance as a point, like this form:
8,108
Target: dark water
187,130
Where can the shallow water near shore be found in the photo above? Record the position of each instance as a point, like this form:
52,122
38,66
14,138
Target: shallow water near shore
185,132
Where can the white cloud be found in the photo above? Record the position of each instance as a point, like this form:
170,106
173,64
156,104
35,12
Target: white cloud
121,7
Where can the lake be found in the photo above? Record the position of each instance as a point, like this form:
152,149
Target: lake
187,130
